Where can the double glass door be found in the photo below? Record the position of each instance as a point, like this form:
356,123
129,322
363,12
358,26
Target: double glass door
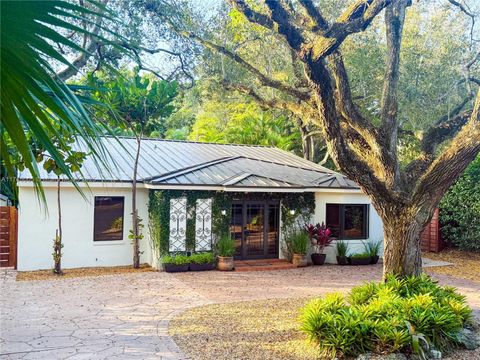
254,226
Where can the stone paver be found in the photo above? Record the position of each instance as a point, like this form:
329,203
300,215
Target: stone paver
107,317
126,316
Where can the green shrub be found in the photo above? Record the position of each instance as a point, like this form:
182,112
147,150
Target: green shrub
373,247
175,259
225,246
299,241
460,210
386,317
364,255
342,248
202,258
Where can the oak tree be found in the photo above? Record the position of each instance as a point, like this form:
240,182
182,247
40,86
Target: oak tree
365,147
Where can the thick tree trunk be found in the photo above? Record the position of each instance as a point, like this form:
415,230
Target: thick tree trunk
136,245
403,227
402,254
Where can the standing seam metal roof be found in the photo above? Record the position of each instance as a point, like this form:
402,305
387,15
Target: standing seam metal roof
171,162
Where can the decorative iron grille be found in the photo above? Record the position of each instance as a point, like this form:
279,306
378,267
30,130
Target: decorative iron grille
203,225
178,224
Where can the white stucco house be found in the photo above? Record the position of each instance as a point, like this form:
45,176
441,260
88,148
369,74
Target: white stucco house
258,186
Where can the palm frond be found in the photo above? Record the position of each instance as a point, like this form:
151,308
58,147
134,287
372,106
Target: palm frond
35,104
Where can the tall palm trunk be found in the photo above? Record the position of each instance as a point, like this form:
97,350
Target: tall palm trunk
136,232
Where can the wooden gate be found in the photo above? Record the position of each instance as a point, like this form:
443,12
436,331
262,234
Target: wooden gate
431,237
8,236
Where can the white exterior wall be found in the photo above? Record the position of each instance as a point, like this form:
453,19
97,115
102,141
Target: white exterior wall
375,223
36,229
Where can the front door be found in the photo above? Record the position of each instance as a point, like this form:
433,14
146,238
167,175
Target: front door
255,228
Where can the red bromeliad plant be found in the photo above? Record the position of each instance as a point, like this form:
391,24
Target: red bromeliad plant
320,237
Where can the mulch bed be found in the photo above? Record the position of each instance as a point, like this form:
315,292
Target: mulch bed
263,330
466,265
80,272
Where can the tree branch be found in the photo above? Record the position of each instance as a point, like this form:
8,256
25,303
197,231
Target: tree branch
82,59
264,79
443,171
319,22
252,15
285,25
355,19
467,12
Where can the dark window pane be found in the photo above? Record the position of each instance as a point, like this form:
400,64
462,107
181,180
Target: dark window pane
236,227
108,218
333,219
355,222
272,229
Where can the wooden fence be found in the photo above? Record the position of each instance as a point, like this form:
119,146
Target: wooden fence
431,237
8,236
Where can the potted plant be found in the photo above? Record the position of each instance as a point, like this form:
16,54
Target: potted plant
342,251
176,263
320,238
202,261
225,250
299,245
360,259
373,248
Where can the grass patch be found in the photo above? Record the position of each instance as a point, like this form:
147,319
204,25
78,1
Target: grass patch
80,272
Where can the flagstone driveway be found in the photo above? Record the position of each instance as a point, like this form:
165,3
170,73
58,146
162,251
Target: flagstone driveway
126,316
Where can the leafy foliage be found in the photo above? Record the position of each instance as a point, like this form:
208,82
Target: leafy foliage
319,236
225,246
373,247
202,258
298,241
460,210
176,259
386,317
36,106
342,248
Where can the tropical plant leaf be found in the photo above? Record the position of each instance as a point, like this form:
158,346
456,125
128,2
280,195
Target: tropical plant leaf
35,105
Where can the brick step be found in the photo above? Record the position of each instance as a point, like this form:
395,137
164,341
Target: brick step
263,265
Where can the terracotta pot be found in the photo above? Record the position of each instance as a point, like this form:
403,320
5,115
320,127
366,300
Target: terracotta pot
342,260
318,259
360,261
375,259
201,267
225,263
300,260
175,268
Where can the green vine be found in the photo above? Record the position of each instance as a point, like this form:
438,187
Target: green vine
302,204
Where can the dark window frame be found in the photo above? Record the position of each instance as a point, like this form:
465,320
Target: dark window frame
341,217
95,218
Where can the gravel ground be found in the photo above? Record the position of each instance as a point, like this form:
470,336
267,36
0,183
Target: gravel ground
466,265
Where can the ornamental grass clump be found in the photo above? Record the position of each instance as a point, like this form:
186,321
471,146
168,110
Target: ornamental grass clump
387,317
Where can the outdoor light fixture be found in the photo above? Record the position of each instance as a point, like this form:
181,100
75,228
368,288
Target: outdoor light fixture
224,212
292,212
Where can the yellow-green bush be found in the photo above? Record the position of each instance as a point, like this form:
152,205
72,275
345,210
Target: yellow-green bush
386,317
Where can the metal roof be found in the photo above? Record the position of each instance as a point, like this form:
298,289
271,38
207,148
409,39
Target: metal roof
170,162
